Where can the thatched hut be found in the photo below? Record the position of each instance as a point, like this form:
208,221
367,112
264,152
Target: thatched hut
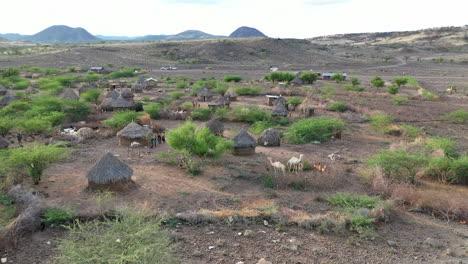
271,99
141,80
280,100
231,94
4,143
297,82
279,110
109,173
244,144
8,98
106,104
113,94
116,84
121,104
31,90
215,126
137,88
70,94
219,102
307,106
205,95
269,138
3,90
161,98
150,83
127,94
134,133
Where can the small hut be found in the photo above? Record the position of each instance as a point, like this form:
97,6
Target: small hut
271,99
137,88
150,83
219,102
31,90
269,138
205,95
231,94
4,143
121,104
297,82
280,100
279,110
244,144
116,84
8,98
3,90
127,94
215,126
307,106
113,94
141,80
70,94
106,104
161,98
134,133
109,173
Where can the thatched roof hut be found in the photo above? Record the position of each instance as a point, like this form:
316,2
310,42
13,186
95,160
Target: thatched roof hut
137,88
127,94
307,107
279,110
109,173
215,126
8,98
134,133
220,101
231,94
162,97
150,83
244,143
3,90
205,95
4,143
297,82
269,138
141,80
70,94
106,104
31,90
120,103
280,100
113,94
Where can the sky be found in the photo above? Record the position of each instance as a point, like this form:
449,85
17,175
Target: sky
275,18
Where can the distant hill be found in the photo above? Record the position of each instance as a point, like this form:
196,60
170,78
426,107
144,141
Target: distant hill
123,38
63,34
13,36
246,32
186,35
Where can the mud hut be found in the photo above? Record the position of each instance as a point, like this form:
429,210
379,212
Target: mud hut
244,144
127,94
3,90
121,104
31,90
134,133
137,88
271,99
109,173
4,143
116,84
307,106
113,94
219,102
215,126
231,94
70,95
205,95
279,100
297,82
269,138
106,104
7,99
279,110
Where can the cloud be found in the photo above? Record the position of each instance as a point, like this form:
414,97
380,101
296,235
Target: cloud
324,2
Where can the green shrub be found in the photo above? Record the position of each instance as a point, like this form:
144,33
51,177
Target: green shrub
337,77
120,119
355,81
347,87
217,86
35,125
280,76
248,114
232,78
258,127
201,114
91,95
378,82
187,106
181,85
10,71
400,81
460,169
316,129
309,77
247,90
399,165
269,181
294,100
393,89
458,116
337,106
411,81
381,122
399,100
50,71
75,110
176,95
428,95
131,238
21,85
349,201
411,131
446,144
125,73
71,69
328,91
58,216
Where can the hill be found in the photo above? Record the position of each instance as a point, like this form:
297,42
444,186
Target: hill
186,35
246,32
13,36
63,34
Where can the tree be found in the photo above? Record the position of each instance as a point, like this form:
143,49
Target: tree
91,95
400,81
377,82
309,77
36,158
280,77
355,82
337,77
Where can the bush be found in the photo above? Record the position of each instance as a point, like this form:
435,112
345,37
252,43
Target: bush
181,85
258,127
328,91
400,81
317,129
187,106
458,116
337,77
280,76
355,81
309,77
131,238
446,144
176,95
337,106
411,131
349,201
460,169
248,114
120,119
353,88
75,110
411,81
11,71
428,95
35,125
91,95
217,86
377,82
57,216
398,100
399,165
125,73
294,100
201,114
393,89
247,90
21,85
381,122
232,78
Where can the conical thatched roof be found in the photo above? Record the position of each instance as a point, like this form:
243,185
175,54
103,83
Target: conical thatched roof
134,131
120,102
214,125
141,80
8,98
231,93
308,102
205,92
280,100
244,140
113,94
269,138
107,103
138,87
109,170
279,110
221,100
3,143
127,93
31,90
297,80
70,94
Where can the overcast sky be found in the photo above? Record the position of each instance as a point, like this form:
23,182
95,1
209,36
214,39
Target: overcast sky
275,18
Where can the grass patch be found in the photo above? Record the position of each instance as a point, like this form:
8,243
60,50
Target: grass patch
399,100
349,87
248,90
57,216
337,106
349,201
317,129
457,116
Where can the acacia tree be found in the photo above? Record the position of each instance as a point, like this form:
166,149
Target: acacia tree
355,82
36,158
377,82
400,81
337,77
309,77
91,95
